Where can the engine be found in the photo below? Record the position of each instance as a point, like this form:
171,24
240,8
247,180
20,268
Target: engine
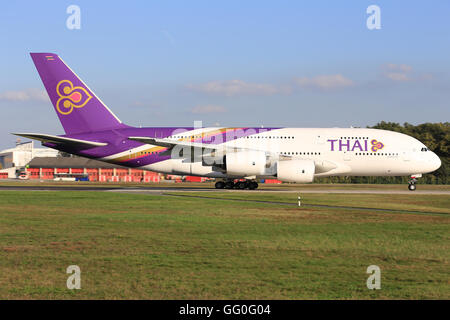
301,171
245,163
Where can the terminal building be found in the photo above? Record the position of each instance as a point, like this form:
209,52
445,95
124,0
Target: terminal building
77,168
13,160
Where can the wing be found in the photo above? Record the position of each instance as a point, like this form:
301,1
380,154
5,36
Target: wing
70,142
203,148
168,143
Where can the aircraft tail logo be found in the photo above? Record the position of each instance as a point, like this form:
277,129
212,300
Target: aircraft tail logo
70,97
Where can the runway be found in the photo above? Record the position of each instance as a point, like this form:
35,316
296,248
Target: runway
366,191
162,189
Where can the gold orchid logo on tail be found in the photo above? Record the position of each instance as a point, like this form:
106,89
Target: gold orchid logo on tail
70,97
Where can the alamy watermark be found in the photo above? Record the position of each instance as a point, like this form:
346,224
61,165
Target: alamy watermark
74,280
374,280
73,21
374,20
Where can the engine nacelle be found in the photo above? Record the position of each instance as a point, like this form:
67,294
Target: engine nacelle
301,171
245,163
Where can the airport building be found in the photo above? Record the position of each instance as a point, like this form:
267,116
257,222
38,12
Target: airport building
15,159
77,168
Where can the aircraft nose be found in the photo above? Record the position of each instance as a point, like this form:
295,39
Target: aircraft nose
435,162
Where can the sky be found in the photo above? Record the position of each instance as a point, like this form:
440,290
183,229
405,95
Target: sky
232,63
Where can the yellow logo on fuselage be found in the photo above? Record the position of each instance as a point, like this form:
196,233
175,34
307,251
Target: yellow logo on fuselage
70,97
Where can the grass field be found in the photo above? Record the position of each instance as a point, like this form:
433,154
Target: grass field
138,246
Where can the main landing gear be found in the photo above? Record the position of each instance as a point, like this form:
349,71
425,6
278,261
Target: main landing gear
412,184
230,184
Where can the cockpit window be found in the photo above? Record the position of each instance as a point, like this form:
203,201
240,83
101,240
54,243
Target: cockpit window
424,149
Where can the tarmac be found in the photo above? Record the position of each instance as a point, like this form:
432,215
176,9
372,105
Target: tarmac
186,188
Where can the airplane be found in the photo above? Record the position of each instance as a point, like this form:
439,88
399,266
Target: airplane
236,157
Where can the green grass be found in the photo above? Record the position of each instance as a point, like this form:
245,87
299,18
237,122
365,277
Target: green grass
140,246
427,203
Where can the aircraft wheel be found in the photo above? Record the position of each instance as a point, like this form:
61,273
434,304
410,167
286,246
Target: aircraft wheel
412,187
252,185
229,185
220,185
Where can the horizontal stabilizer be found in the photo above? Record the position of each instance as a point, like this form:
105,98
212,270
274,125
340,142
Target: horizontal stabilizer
70,142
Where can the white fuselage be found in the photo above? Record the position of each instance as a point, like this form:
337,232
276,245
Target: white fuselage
334,151
341,151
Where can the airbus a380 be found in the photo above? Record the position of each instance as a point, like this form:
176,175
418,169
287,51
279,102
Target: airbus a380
230,154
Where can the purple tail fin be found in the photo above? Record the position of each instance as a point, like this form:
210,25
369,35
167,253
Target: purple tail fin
77,107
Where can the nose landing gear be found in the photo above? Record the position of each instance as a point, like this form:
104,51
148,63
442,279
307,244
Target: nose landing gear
412,183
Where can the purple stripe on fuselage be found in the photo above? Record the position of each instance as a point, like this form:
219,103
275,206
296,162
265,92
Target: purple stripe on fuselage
118,141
